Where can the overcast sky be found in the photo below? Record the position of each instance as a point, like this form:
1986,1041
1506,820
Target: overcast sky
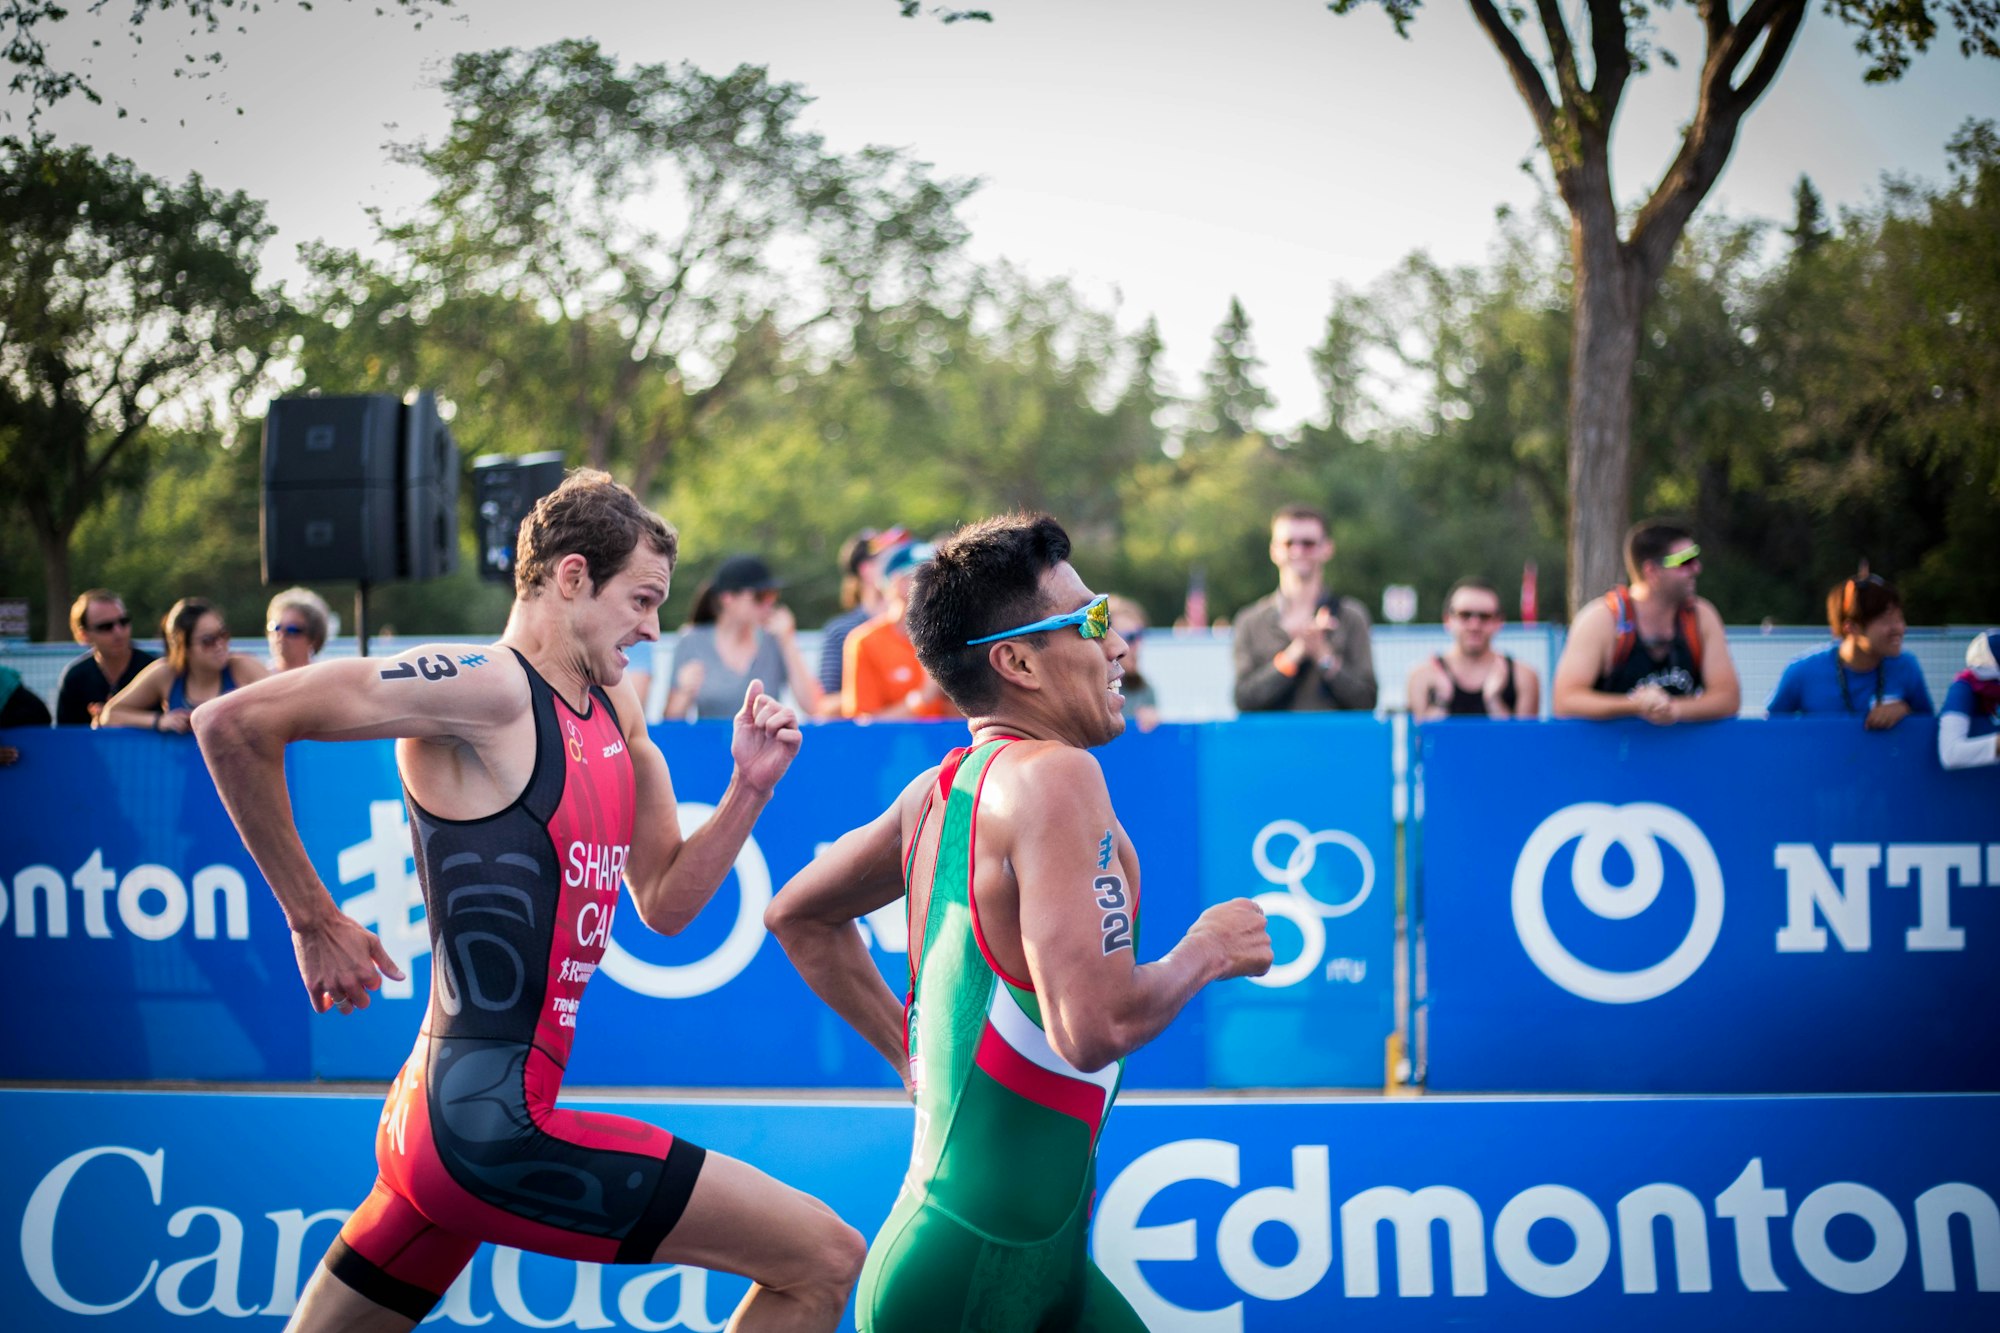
1167,154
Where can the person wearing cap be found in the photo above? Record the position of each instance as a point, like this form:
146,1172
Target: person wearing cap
1969,723
880,676
1865,671
1653,649
737,632
861,596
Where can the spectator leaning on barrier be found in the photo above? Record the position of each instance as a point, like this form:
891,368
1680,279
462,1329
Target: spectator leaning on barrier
19,705
198,667
296,623
738,632
880,675
1469,679
861,596
1653,649
1867,671
1968,728
100,623
1303,648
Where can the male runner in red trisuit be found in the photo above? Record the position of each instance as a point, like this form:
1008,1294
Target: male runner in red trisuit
534,791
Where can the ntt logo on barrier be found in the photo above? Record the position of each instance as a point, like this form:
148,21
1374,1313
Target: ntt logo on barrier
1388,1237
1638,830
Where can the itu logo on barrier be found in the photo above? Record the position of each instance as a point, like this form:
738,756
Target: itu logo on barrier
1349,868
1638,830
393,906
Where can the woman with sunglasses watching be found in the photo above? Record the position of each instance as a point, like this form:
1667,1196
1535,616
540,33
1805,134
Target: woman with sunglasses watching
1866,673
198,667
296,624
738,632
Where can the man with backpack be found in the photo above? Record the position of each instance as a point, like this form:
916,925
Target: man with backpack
1651,649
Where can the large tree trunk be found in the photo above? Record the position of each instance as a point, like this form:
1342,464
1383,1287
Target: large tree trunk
55,583
1604,348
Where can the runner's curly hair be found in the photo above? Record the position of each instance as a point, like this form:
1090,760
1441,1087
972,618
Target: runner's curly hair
592,516
985,578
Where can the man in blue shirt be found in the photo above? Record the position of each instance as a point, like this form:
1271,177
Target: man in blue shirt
1866,672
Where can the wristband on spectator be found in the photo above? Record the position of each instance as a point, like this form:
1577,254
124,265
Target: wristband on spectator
156,720
1286,667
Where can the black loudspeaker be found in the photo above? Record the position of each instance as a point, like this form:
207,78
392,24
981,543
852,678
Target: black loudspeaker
361,489
429,519
330,480
504,489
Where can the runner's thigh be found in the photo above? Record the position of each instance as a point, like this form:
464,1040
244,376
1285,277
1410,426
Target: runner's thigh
739,1220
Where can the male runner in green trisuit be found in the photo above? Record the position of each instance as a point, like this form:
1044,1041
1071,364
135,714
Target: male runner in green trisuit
1023,907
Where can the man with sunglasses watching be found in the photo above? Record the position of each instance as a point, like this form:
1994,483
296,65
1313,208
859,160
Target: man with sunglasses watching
1469,679
1652,650
101,623
1023,895
1302,649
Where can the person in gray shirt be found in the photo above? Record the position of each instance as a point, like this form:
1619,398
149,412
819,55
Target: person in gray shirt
1302,649
738,632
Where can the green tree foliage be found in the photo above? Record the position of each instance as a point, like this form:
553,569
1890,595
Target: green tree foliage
623,250
1016,396
1231,396
124,301
1881,354
1572,70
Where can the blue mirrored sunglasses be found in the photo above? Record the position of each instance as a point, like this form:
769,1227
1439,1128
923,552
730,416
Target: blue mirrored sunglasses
1092,621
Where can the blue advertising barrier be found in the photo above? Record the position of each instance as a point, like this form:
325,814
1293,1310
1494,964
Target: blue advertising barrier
142,924
1297,816
179,1211
138,936
1796,906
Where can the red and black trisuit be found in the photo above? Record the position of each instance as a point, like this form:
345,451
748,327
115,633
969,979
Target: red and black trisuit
472,1146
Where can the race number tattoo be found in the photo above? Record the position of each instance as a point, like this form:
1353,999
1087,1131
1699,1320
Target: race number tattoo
1110,889
438,667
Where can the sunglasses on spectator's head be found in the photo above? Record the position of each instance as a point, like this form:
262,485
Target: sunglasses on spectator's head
1092,621
1848,605
289,631
1679,558
106,626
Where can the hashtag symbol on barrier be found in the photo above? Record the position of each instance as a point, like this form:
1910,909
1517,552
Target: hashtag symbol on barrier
473,660
385,858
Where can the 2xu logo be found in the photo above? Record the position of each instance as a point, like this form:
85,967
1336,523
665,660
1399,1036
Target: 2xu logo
1638,830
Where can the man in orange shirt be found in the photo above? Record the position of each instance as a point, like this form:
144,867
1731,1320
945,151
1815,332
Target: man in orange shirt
880,675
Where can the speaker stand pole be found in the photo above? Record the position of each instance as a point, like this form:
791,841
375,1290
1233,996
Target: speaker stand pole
361,616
